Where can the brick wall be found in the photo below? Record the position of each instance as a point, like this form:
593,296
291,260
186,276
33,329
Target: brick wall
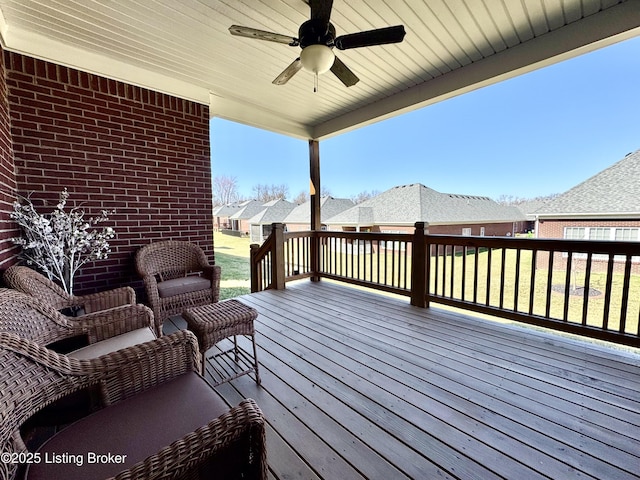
114,146
555,228
7,178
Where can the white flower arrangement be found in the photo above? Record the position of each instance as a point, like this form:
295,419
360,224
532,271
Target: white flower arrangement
61,242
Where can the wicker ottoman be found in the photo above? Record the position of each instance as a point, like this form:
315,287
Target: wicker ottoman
219,321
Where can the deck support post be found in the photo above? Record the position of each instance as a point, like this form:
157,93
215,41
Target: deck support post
419,266
277,263
315,196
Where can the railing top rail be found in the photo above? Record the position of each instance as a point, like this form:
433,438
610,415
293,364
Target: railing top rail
389,237
261,250
549,244
304,234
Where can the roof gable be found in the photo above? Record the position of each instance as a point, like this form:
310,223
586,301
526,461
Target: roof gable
247,210
329,207
615,190
273,211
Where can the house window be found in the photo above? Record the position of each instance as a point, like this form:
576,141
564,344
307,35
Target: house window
574,233
466,232
627,234
482,231
599,233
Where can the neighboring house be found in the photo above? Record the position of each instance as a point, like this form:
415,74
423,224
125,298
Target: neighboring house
529,209
300,217
222,215
239,221
399,208
274,211
603,207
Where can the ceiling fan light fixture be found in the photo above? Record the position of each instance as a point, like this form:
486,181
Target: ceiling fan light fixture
317,59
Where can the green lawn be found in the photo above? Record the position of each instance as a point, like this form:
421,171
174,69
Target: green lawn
232,255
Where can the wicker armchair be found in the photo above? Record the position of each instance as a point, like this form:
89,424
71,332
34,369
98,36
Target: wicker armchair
29,281
160,420
105,331
177,276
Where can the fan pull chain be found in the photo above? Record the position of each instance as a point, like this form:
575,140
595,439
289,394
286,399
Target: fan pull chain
315,83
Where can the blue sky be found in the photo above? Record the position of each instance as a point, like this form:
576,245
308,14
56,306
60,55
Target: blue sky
537,134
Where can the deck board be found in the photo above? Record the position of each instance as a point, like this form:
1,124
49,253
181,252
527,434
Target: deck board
361,385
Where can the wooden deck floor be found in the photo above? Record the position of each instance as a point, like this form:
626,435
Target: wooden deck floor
360,385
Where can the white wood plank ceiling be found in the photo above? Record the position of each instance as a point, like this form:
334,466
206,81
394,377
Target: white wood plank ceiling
183,47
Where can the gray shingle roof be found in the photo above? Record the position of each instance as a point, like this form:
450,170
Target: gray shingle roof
228,209
248,209
614,190
329,207
407,204
273,211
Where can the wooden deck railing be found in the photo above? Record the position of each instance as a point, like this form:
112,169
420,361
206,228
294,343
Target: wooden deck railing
584,287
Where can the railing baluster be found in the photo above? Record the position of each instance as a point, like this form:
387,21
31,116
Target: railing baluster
532,290
464,272
547,308
516,281
453,269
567,288
503,260
587,288
488,298
607,293
406,263
475,275
625,298
393,263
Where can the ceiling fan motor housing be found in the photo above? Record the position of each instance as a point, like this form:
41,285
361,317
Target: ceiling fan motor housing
316,32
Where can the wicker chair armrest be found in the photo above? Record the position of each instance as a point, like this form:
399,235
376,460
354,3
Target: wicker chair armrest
120,374
214,273
243,424
151,286
105,324
94,302
134,369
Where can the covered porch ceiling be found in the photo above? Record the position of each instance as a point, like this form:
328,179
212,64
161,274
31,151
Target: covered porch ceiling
184,48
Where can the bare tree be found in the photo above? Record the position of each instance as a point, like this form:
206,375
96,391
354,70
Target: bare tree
266,193
301,197
514,200
225,190
362,196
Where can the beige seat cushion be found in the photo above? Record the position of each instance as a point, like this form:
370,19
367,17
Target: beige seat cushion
113,344
137,427
178,286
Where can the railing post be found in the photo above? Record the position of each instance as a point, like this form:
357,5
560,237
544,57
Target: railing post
277,264
419,266
314,261
254,265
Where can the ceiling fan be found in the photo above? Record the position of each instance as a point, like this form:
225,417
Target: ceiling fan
317,38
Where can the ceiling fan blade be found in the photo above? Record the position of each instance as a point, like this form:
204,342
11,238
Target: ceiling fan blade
288,72
321,10
262,35
345,75
380,36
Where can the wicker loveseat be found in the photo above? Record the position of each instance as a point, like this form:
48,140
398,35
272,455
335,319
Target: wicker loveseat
160,418
176,276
